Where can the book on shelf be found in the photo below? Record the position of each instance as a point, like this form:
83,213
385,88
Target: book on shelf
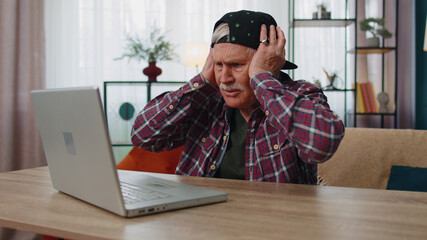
369,100
365,96
360,104
372,99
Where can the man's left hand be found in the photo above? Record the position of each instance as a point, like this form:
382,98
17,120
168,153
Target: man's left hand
270,56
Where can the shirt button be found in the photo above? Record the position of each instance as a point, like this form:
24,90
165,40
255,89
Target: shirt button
267,112
254,92
170,107
225,138
203,140
195,85
213,167
276,146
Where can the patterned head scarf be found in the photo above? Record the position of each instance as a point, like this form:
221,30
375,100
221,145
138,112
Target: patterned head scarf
245,29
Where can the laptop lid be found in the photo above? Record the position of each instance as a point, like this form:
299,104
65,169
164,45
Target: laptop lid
81,162
77,145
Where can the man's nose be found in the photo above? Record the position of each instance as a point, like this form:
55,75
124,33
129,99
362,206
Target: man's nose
226,76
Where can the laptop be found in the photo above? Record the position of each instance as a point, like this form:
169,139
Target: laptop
81,162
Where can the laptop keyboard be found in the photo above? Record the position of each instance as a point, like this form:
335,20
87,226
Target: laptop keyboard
134,194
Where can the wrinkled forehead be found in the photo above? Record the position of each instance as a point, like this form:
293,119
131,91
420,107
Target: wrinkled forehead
233,53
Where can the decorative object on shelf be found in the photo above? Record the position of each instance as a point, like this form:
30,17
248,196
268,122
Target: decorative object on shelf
376,27
126,111
383,101
152,71
333,79
154,49
322,12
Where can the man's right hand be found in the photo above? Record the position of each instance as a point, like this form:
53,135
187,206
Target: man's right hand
208,72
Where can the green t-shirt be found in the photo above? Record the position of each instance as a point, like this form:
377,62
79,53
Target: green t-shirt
233,163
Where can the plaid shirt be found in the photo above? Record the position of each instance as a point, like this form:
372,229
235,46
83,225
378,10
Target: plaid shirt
291,131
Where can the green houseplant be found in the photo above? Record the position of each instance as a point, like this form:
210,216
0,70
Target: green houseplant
376,27
155,48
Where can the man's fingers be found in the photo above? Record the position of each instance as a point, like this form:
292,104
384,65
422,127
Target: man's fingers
270,56
276,35
280,34
272,37
263,34
281,37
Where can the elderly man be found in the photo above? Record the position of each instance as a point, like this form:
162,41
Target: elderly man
241,117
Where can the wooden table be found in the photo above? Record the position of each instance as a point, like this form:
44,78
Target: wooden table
254,210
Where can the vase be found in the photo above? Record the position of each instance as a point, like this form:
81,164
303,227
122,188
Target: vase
324,14
315,15
321,14
373,42
152,71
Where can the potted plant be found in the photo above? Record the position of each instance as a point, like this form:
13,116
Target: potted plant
333,80
154,49
322,12
376,27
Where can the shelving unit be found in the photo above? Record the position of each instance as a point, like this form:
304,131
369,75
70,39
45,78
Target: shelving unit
322,22
345,53
371,50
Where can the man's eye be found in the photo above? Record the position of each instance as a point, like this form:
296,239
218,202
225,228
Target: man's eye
219,64
238,67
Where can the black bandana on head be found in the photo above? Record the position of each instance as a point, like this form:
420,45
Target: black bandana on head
245,29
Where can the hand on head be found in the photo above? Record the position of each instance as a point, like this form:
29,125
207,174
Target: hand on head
270,56
208,70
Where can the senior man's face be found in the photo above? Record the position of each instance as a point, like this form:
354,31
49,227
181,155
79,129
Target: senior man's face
231,74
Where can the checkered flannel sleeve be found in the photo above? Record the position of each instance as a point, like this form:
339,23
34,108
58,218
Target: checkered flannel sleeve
301,111
162,124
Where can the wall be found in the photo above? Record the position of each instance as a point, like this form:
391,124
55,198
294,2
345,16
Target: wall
406,66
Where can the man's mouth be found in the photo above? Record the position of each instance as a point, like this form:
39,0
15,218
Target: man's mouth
230,90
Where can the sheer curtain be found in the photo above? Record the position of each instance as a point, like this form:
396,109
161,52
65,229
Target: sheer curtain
84,37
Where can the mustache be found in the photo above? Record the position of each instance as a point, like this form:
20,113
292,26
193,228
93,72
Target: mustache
229,87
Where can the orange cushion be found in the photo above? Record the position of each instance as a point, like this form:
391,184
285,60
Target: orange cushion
142,160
